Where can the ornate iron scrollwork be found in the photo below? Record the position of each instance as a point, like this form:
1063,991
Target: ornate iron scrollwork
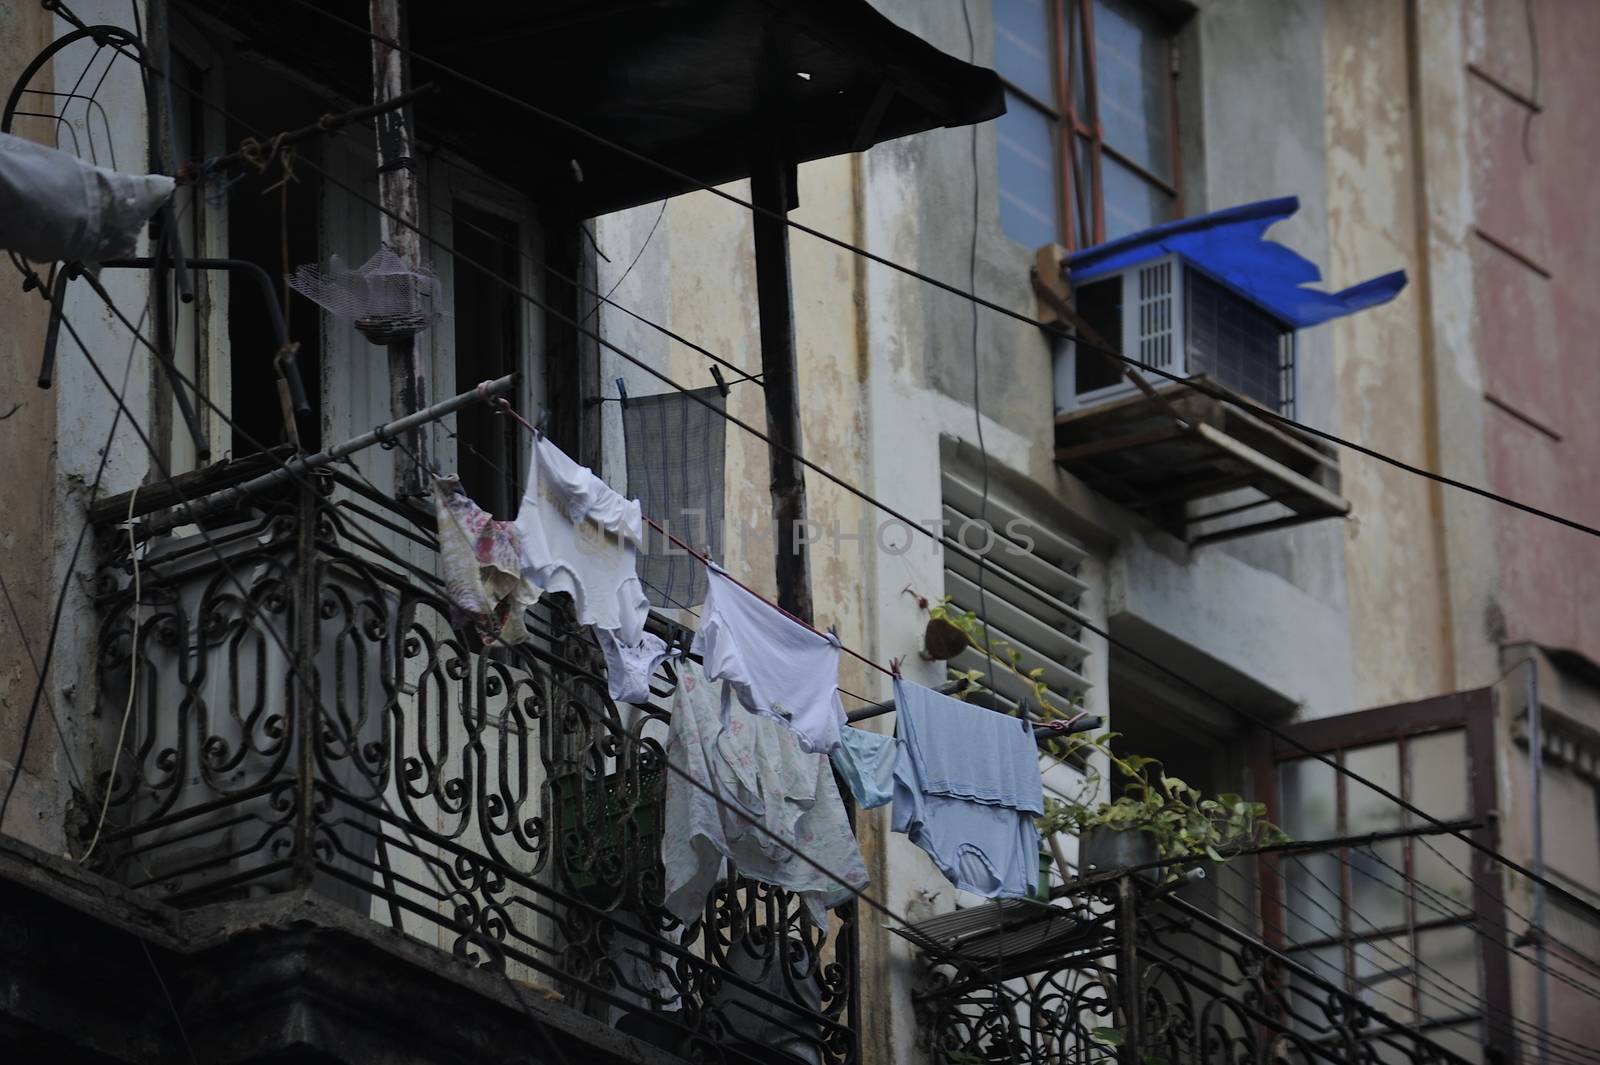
305,716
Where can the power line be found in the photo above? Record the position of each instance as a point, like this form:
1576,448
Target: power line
1078,617
1489,1017
794,848
1205,389
1375,941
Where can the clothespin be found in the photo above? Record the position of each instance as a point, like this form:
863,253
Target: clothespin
722,386
622,393
894,667
543,420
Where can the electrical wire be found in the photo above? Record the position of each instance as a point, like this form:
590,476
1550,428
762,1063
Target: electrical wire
1429,894
1198,386
1376,992
1085,622
637,256
133,685
977,377
183,500
1460,994
42,669
1077,616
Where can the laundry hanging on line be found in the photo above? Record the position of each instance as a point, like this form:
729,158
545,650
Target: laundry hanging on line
774,666
482,562
964,780
676,447
865,762
757,800
967,789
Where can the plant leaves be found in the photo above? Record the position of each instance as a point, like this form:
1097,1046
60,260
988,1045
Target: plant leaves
1111,1037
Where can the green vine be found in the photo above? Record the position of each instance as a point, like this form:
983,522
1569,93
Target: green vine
1185,823
1004,655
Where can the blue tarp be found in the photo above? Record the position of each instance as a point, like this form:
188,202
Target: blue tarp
1231,246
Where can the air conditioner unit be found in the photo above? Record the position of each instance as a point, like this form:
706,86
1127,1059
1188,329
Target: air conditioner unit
1172,316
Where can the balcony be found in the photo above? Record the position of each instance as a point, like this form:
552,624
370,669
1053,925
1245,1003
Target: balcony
305,724
1132,972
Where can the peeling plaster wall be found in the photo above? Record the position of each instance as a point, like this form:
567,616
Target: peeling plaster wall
78,413
1400,640
27,498
1536,255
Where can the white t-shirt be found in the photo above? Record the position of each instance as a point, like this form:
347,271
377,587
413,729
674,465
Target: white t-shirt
581,537
774,666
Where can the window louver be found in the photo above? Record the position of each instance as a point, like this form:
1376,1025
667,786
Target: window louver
1031,594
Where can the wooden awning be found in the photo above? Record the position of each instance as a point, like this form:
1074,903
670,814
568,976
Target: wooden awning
1203,469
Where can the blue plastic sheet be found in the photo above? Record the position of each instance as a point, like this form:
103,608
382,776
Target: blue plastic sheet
1231,246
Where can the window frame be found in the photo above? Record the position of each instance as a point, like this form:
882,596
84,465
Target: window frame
1469,711
1069,126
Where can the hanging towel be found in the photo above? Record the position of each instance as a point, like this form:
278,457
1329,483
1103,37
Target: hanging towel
967,790
773,666
865,761
581,537
482,562
757,768
629,667
676,451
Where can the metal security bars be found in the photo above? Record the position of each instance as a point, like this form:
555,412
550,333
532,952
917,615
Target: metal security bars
303,715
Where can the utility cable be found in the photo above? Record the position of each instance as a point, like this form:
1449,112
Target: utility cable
1056,330
1276,926
1080,619
1510,1024
1427,898
42,668
790,845
1077,616
133,685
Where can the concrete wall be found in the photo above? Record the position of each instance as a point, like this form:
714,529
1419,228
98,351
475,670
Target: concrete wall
27,498
59,439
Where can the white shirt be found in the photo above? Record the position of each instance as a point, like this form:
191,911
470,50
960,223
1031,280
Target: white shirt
774,666
581,537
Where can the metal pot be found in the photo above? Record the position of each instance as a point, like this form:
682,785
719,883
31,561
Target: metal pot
1104,850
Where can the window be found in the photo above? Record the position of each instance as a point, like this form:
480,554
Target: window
1088,147
1031,587
1395,920
487,324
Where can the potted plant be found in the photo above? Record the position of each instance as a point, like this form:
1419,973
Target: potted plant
1157,818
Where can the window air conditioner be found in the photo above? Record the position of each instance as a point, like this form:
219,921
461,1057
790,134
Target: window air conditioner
1172,316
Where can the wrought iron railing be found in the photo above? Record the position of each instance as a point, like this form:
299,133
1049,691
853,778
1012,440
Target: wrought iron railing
303,715
1146,977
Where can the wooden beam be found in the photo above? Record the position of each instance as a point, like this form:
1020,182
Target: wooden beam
397,192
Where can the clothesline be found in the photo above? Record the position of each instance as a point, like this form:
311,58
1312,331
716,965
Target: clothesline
506,408
1079,722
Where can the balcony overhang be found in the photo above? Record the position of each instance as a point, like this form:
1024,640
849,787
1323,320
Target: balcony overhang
702,86
1165,452
281,979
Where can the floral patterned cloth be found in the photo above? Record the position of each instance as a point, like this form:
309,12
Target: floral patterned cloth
482,560
775,793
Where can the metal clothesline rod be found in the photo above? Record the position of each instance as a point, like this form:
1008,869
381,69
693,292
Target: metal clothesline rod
325,125
295,467
1041,733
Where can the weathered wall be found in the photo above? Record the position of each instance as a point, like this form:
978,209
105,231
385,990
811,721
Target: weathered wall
26,496
1402,641
1537,266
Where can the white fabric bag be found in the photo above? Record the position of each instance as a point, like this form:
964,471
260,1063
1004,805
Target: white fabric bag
54,206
